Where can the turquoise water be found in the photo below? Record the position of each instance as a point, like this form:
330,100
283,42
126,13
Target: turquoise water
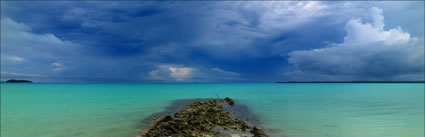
293,110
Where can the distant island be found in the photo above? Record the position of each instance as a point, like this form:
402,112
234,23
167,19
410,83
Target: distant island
350,82
17,81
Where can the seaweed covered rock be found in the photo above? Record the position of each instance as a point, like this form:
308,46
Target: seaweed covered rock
201,119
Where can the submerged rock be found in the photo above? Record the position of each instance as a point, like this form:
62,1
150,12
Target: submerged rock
229,101
258,132
205,118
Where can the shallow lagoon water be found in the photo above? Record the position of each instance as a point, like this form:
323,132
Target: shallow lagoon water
292,110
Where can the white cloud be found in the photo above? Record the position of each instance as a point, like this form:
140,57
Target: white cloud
20,43
368,52
14,74
225,72
288,14
15,59
9,24
172,73
18,38
58,66
15,35
359,33
180,73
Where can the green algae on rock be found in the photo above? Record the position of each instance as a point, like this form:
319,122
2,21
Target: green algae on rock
204,118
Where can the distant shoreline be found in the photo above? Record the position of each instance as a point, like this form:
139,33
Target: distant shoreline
372,82
17,81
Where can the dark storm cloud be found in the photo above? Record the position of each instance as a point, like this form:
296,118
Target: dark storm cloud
182,41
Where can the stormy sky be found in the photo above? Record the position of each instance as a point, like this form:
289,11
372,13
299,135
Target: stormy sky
211,41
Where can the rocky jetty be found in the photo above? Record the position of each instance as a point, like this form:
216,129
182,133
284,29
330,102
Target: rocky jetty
204,118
